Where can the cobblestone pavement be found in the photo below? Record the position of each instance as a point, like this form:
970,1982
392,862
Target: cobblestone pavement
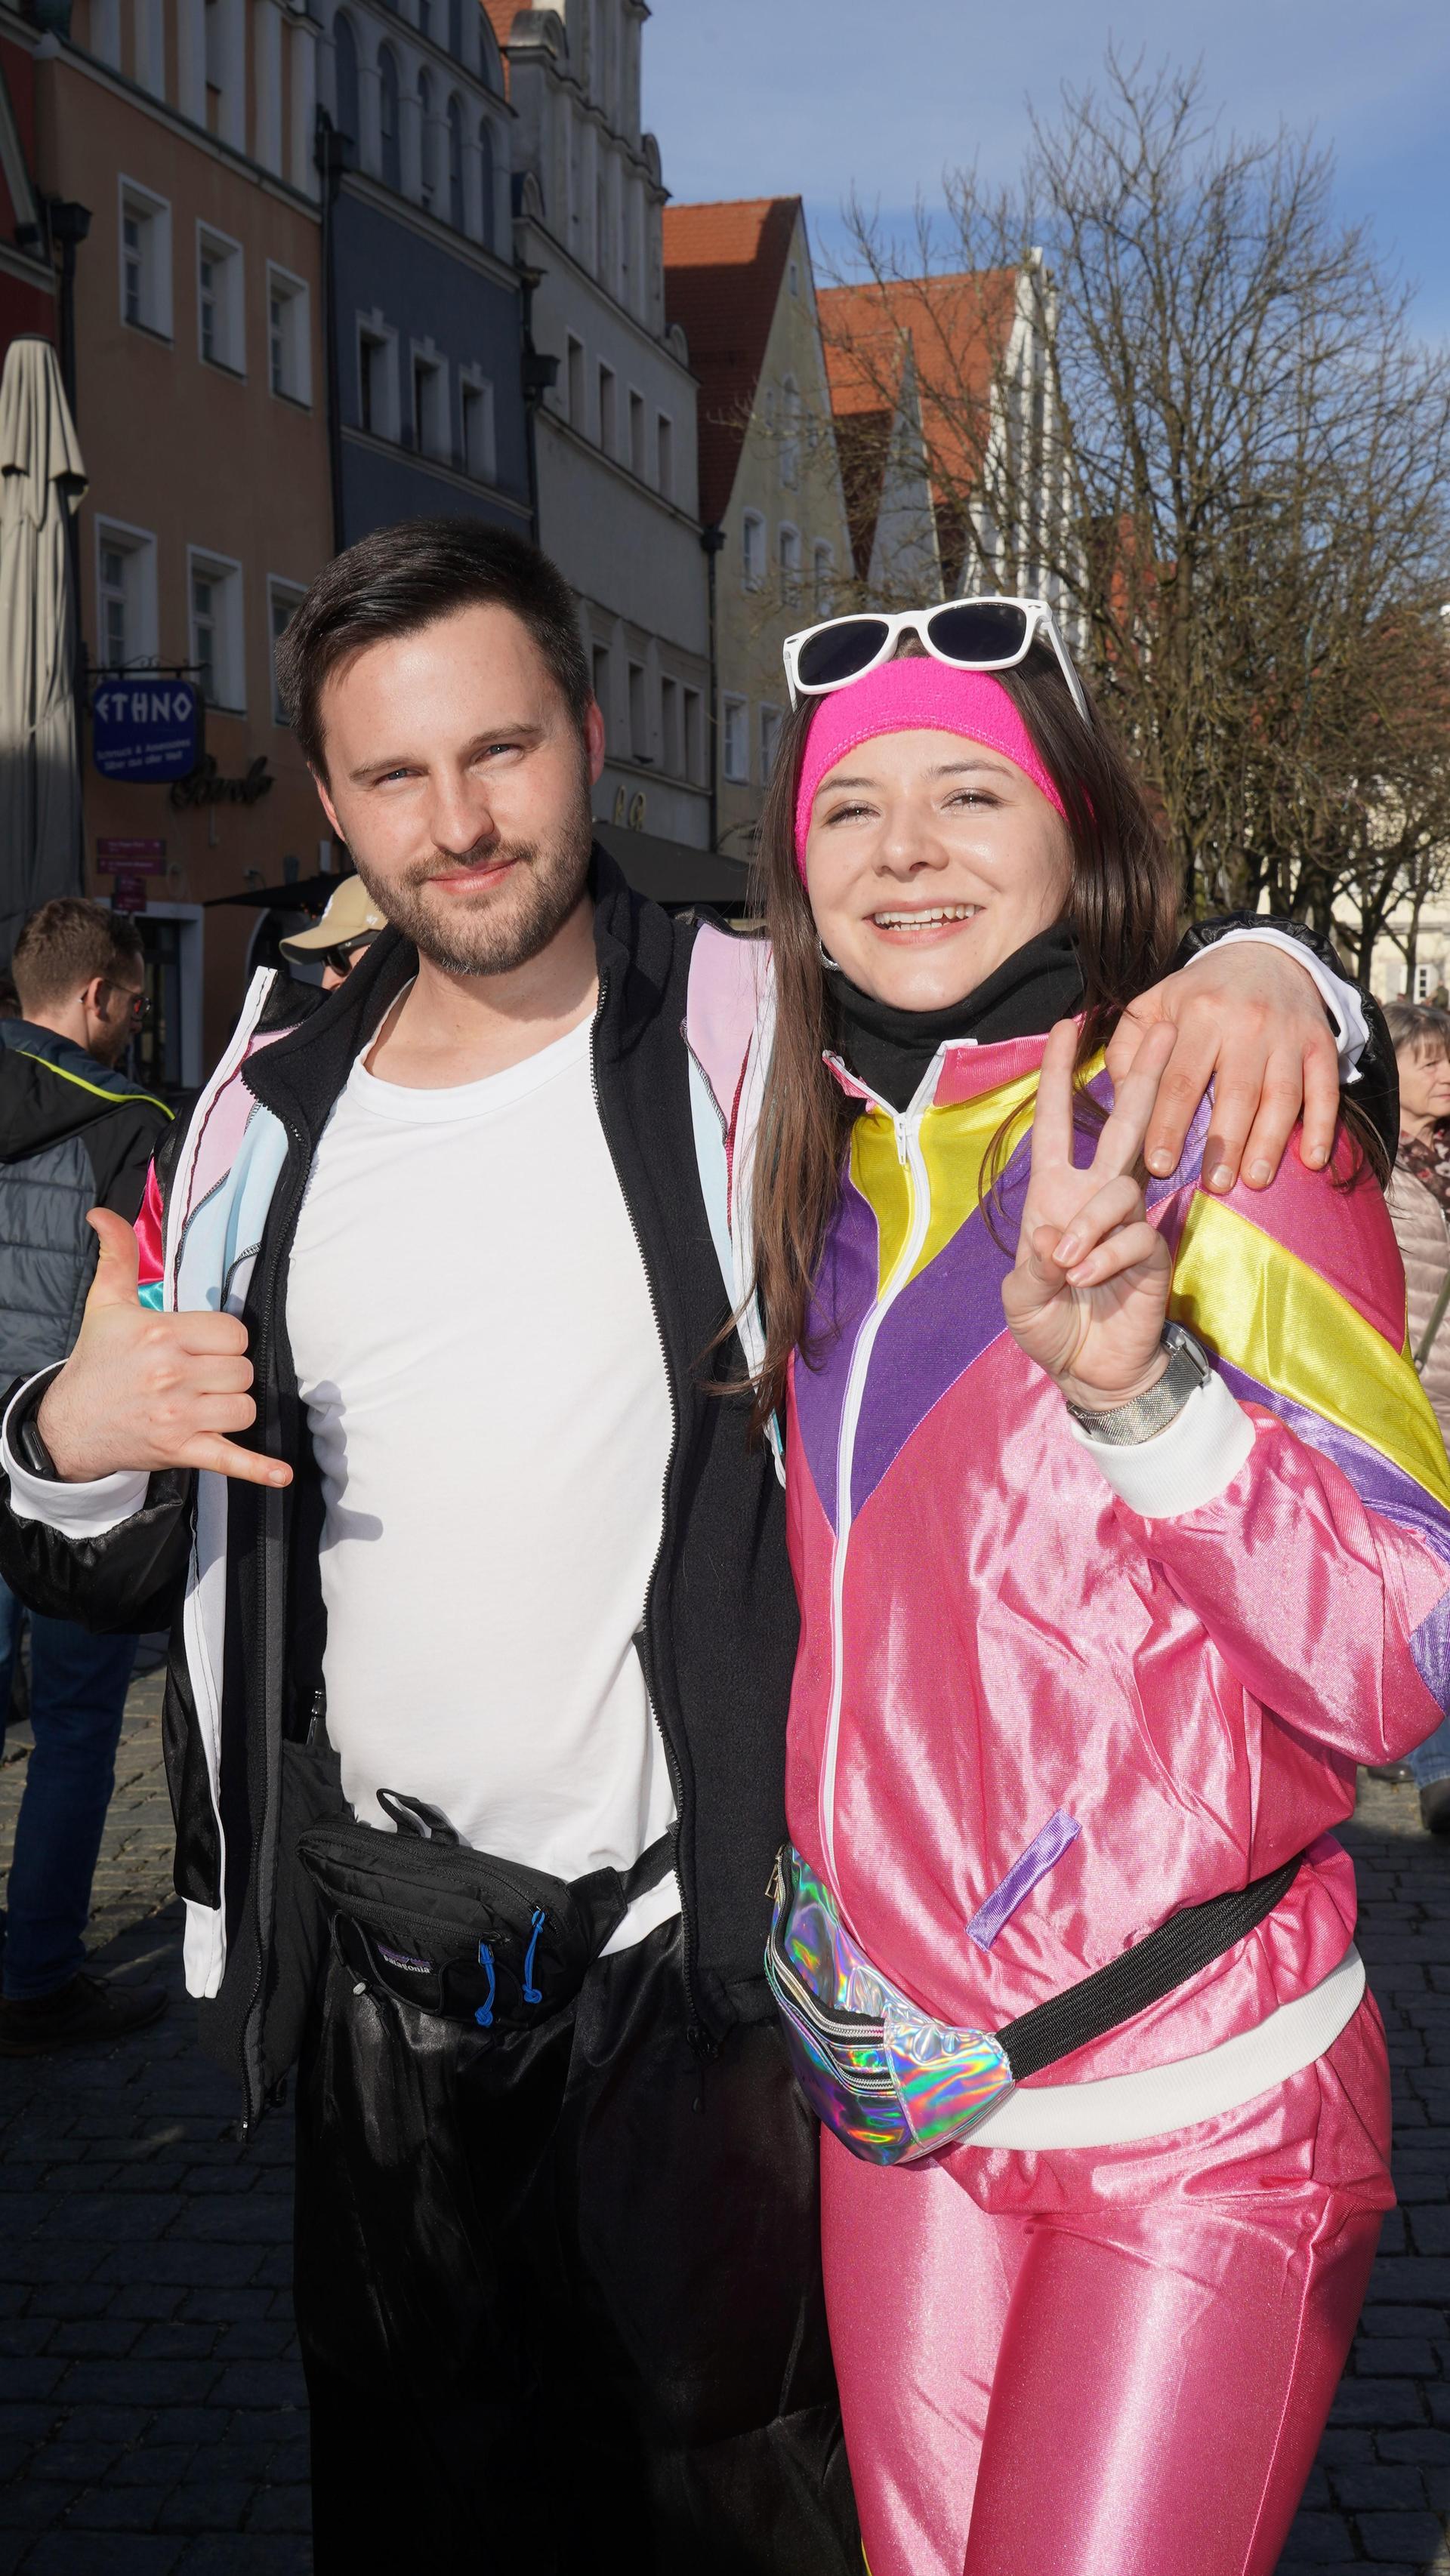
152,2414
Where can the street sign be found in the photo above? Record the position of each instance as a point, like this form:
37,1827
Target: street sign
146,727
131,858
128,894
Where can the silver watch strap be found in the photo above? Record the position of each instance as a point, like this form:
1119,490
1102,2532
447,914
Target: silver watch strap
1144,1416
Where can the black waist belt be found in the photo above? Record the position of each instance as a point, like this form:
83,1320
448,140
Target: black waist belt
464,1932
1188,1941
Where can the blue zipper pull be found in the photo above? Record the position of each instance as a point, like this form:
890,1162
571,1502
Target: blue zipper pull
532,1994
484,2013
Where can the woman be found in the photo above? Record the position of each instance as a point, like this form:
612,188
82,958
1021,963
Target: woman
1419,1205
1094,1631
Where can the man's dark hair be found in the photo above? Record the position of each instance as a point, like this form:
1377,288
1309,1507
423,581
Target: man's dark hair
66,945
404,577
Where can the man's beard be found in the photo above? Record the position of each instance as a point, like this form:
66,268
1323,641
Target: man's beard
506,925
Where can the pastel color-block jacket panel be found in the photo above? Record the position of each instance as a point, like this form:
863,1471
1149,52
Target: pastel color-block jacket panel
1028,1724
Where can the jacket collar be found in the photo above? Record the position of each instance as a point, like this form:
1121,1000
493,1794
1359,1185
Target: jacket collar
300,1075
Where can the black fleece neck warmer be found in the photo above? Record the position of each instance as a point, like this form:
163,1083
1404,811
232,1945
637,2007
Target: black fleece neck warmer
890,1049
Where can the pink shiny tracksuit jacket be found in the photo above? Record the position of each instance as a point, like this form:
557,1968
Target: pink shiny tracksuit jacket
1021,1707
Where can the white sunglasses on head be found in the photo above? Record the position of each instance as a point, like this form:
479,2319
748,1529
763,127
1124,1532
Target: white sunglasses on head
987,634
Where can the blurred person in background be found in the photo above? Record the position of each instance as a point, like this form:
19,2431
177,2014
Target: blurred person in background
74,1134
342,937
1419,1203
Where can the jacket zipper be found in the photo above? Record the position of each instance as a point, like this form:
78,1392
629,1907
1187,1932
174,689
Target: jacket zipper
270,1630
906,1126
699,2037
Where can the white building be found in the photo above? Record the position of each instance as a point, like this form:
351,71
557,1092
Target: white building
615,434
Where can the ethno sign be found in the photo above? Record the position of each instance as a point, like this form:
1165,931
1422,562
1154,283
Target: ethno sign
206,787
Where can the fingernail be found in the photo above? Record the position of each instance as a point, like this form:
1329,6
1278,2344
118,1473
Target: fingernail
1159,1159
1220,1178
1067,1252
1317,1158
1259,1173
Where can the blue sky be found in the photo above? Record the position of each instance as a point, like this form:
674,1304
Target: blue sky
767,97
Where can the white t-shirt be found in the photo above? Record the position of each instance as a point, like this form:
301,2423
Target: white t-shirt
474,1342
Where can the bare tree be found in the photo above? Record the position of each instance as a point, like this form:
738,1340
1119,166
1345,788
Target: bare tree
1224,457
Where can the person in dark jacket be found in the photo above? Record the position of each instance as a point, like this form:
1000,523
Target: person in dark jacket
74,1134
483,1627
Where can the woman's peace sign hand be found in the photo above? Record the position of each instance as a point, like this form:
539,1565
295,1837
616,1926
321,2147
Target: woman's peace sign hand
1089,1295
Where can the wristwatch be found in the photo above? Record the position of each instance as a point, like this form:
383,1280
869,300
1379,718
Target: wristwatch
24,1430
1143,1416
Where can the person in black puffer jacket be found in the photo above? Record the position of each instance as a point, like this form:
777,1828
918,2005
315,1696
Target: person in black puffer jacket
74,1134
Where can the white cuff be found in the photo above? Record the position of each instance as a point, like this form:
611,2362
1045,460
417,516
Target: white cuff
1185,1466
1340,998
77,1511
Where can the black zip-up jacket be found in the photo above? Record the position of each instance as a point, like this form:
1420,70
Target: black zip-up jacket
74,1134
720,1625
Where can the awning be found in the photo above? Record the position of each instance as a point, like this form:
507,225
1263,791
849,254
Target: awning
41,482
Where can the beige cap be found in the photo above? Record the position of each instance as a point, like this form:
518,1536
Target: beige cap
349,914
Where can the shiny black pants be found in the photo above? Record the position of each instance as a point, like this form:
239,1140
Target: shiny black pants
559,2292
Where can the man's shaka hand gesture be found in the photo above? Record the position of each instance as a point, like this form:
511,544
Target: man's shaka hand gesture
143,1391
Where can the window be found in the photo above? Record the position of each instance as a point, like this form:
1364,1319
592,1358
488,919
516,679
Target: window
636,435
665,452
219,301
425,19
430,405
486,180
284,598
574,381
213,45
823,574
671,749
788,551
125,596
769,741
694,736
426,139
377,379
145,260
752,550
638,732
392,158
790,434
289,356
793,275
345,81
455,164
606,410
475,396
105,35
735,740
455,29
216,629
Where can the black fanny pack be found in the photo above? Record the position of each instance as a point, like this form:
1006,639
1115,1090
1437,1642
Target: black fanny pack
460,1931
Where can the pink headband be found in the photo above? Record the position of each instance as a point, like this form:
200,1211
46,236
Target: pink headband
911,696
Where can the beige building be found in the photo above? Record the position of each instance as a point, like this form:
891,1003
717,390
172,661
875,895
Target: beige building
738,282
185,127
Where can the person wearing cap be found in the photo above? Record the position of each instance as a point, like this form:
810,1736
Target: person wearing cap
345,933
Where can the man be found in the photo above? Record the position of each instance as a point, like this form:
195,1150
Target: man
74,1134
449,1486
342,937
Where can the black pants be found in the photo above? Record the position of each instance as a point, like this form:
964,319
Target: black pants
559,2293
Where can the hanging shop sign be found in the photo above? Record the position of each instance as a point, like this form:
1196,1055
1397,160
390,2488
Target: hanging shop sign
205,786
146,729
128,894
131,858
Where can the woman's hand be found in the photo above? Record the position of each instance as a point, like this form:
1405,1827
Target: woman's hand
1088,1298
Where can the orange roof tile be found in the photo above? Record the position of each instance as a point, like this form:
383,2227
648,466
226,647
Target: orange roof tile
723,268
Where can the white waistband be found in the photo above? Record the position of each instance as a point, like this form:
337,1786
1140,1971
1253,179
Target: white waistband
1119,2108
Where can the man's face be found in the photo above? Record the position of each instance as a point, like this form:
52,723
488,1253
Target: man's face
459,781
111,1022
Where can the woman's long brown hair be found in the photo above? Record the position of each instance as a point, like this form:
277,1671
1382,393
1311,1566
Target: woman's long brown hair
1122,904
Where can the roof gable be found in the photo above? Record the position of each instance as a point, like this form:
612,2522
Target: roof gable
724,268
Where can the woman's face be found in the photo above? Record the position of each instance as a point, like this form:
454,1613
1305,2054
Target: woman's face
929,859
1424,1083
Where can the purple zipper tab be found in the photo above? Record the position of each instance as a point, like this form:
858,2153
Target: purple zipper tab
1041,1855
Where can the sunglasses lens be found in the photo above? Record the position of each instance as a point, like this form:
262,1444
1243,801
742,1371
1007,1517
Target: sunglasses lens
840,652
979,630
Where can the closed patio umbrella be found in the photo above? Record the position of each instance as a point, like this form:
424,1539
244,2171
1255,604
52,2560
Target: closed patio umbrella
41,482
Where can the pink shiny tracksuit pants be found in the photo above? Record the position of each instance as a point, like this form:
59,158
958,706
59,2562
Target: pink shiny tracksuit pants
1107,2361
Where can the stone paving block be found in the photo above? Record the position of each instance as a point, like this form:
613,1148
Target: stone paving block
26,2377
174,2340
1407,2356
281,2509
1316,2540
145,2383
1389,2486
22,2335
155,2463
92,2338
1430,2227
115,2507
103,2424
77,2464
1407,2536
1378,2401
207,2505
187,2265
278,2555
261,2383
147,2301
73,2553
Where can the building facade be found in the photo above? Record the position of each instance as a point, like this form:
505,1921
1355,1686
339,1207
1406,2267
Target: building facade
27,276
185,129
615,432
423,301
738,282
